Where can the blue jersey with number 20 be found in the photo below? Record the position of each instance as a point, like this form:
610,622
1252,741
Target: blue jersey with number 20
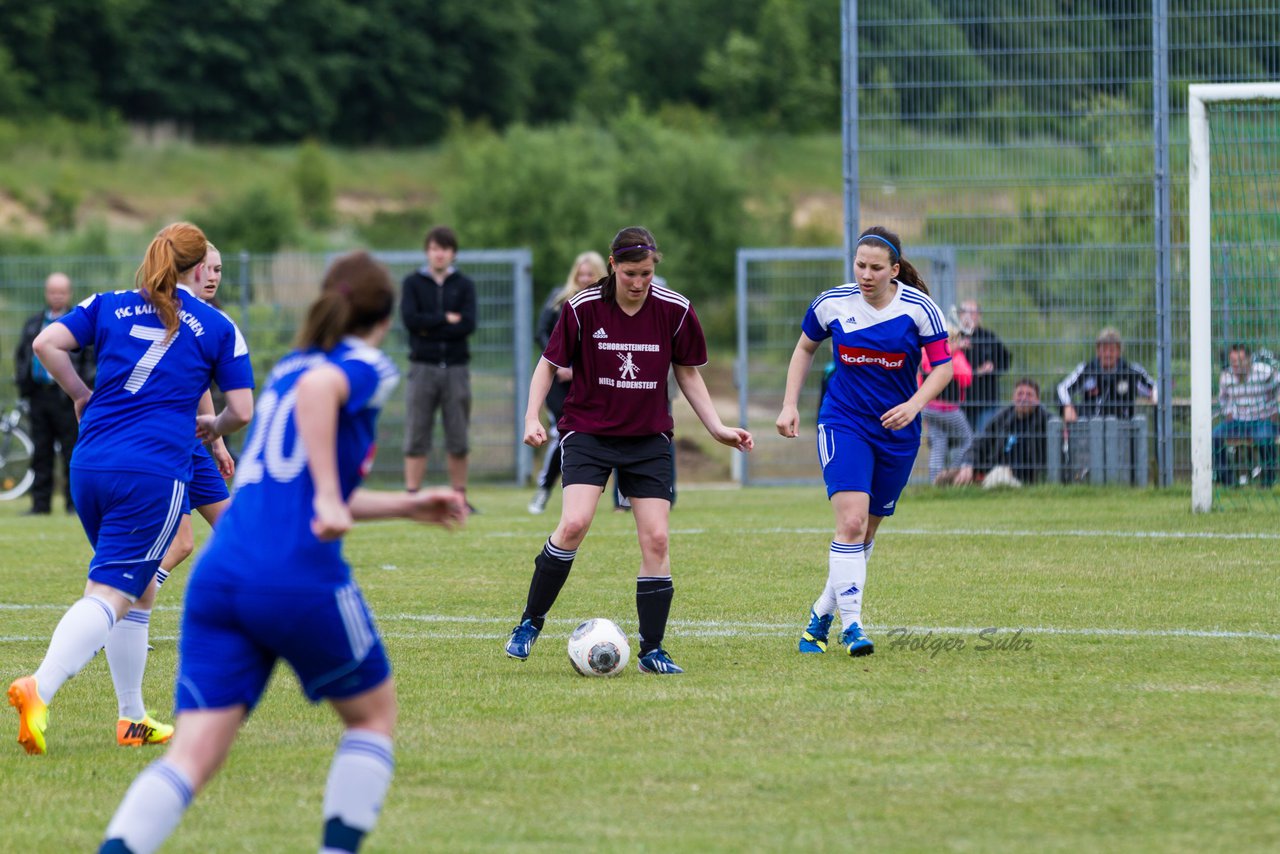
266,532
142,416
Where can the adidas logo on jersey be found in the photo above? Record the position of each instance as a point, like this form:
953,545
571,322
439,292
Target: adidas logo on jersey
600,333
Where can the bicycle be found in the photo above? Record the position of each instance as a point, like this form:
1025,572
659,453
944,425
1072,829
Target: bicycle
16,448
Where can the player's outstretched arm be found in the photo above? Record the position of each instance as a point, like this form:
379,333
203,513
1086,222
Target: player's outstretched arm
788,422
444,507
695,391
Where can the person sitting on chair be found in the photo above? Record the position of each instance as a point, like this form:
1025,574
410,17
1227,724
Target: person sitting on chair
1247,409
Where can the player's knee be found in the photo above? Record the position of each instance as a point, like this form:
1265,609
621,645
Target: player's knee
375,711
852,528
572,529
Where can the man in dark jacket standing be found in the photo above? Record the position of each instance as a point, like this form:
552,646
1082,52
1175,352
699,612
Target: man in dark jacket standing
438,307
990,360
52,414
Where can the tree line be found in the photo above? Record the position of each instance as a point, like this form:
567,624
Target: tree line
401,72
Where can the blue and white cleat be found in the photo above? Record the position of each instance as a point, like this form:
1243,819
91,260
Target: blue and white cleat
522,639
855,642
657,661
814,639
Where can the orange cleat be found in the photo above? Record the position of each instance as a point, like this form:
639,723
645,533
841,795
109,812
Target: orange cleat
146,731
33,714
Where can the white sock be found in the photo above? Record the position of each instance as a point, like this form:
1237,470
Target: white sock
358,781
162,575
847,575
151,809
80,634
127,657
826,603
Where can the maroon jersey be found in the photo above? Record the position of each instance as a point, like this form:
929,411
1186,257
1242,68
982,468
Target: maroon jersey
620,363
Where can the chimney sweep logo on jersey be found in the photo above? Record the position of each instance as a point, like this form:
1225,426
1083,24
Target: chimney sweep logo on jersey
862,356
628,369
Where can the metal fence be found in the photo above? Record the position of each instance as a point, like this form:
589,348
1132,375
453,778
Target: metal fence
267,294
1046,144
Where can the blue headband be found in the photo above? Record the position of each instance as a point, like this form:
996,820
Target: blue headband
892,248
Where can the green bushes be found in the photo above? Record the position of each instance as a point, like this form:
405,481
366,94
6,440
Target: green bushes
313,180
262,219
569,188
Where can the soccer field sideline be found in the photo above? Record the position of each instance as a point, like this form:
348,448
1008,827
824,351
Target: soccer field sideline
939,532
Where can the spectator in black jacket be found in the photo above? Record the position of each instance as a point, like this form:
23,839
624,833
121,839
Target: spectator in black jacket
52,413
438,307
1106,385
990,360
1017,436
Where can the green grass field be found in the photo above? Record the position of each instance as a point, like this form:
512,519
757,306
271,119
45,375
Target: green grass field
1137,710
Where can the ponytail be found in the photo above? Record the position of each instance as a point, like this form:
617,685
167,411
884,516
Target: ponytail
326,322
174,250
355,296
909,275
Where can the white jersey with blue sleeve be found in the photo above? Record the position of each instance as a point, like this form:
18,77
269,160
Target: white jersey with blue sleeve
266,532
877,356
141,416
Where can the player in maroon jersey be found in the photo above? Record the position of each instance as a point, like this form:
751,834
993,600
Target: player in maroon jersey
620,336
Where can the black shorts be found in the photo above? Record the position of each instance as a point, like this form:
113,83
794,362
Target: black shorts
643,463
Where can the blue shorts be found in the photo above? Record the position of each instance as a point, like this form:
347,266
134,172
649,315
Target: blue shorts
130,519
853,463
206,486
232,635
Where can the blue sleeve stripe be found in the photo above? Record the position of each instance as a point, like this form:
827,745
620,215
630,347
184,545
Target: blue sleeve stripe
915,297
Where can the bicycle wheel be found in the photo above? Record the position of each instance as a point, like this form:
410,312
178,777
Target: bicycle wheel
16,475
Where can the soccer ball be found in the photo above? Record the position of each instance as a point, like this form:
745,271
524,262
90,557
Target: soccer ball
598,648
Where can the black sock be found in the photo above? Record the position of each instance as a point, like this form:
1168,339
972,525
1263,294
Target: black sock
342,837
550,571
653,604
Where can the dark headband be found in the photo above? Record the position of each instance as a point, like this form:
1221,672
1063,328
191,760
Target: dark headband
646,247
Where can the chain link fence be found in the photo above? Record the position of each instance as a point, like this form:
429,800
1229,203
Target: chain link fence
267,294
1045,147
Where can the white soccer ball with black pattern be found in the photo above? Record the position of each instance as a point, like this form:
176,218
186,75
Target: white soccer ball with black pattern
599,648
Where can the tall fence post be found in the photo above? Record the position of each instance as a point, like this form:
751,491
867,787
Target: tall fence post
245,297
849,128
1162,212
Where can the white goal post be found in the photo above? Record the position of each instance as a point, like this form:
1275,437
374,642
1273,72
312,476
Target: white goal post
1201,270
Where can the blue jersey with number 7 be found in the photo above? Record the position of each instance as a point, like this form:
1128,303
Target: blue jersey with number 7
142,416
